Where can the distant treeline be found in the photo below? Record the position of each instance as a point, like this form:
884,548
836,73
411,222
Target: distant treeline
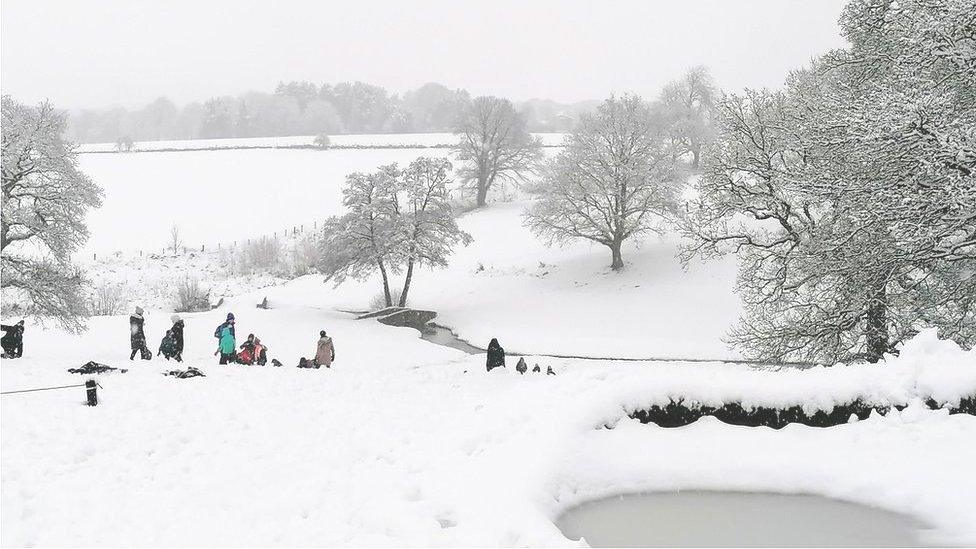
304,108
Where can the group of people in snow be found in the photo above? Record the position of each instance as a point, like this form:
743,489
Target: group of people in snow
12,340
171,347
496,359
251,351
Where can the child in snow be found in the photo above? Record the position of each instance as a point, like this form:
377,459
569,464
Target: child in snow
246,354
167,347
137,336
226,341
260,352
13,340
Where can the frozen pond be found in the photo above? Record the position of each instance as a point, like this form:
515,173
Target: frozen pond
736,519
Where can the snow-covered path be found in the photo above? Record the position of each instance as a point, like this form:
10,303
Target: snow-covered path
404,443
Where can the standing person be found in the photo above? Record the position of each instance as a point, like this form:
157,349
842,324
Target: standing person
496,355
227,343
137,336
13,340
177,330
325,351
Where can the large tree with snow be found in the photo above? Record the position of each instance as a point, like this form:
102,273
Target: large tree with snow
686,107
363,240
494,145
428,228
850,196
614,179
45,199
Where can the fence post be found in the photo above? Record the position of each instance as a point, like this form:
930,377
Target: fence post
92,392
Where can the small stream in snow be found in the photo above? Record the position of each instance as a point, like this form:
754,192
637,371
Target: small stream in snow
736,519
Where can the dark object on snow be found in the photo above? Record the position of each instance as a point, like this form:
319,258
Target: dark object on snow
92,392
276,363
183,374
678,414
496,355
177,330
137,336
549,371
12,340
263,304
167,347
521,367
306,363
537,368
409,318
92,367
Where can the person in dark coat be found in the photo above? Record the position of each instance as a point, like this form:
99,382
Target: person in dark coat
177,330
137,336
521,367
167,347
13,340
496,355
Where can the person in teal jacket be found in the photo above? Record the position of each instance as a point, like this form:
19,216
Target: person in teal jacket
227,345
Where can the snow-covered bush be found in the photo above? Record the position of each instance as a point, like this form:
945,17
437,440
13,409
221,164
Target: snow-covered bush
191,296
305,256
322,141
265,254
108,299
379,300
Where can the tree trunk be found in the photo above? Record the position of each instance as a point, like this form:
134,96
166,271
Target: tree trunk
406,284
618,259
876,330
482,191
386,284
696,155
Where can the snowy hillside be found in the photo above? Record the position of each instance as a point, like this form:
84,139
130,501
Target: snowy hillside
407,443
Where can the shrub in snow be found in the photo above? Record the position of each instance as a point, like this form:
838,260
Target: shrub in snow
322,141
305,256
379,301
108,299
191,296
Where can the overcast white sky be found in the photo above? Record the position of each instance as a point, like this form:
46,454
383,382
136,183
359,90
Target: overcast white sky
95,53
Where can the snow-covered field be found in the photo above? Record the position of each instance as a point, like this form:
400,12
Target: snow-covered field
352,140
408,443
405,442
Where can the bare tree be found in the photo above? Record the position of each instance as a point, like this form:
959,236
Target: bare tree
429,229
45,199
615,176
686,106
175,241
494,145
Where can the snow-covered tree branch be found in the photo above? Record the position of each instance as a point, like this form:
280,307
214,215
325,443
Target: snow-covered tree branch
45,199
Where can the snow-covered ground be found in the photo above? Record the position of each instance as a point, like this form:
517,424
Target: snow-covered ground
352,140
408,443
